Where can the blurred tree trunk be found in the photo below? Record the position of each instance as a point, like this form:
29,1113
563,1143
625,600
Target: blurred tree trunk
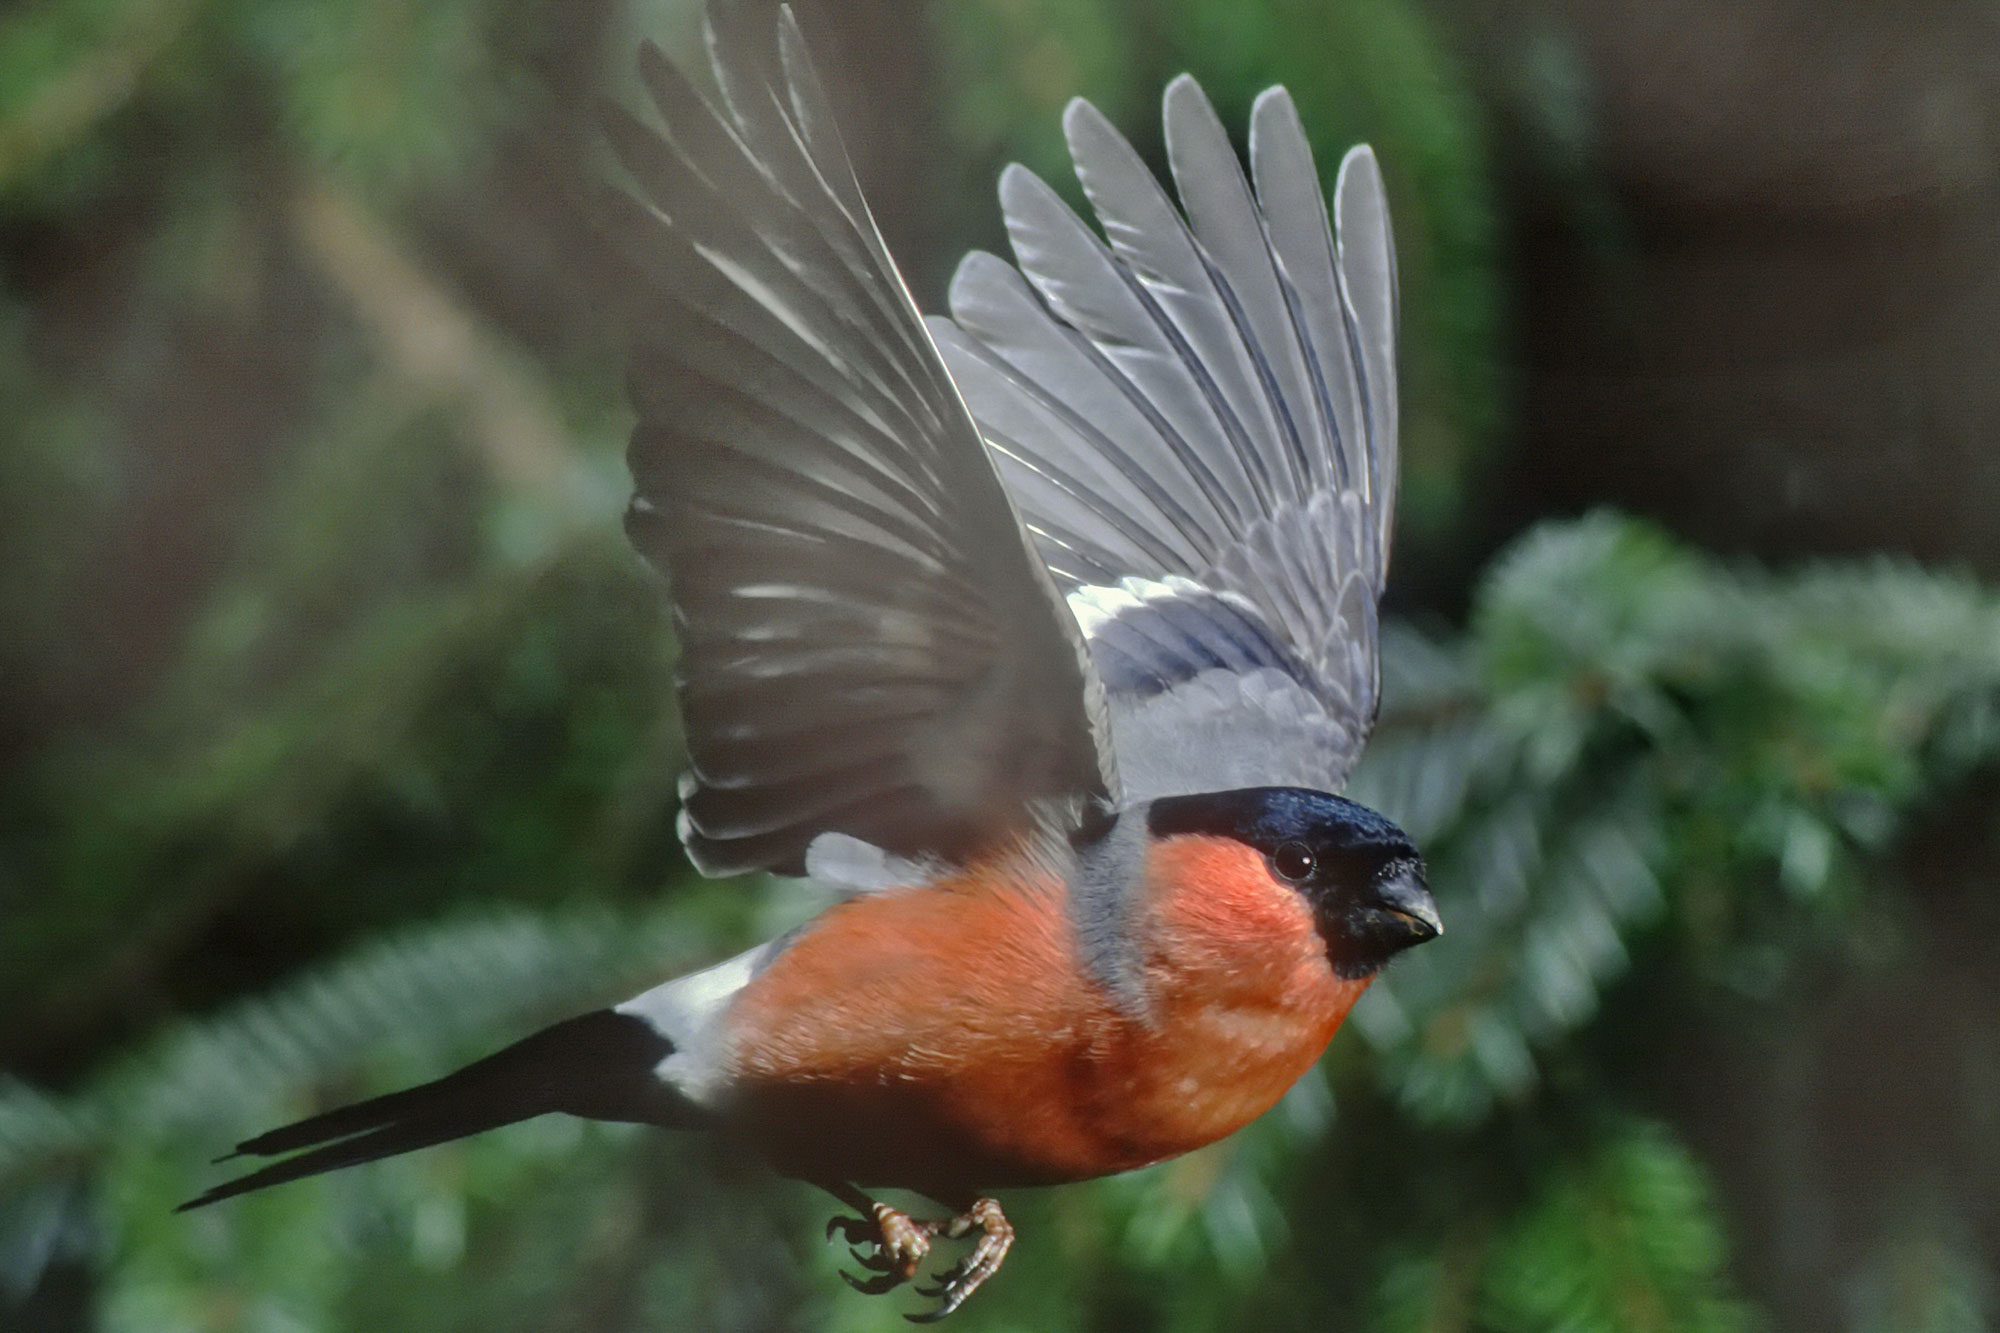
1853,1118
1758,267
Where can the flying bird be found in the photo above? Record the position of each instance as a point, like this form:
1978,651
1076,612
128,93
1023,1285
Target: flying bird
1043,634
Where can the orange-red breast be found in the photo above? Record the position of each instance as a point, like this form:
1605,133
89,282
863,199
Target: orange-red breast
1041,633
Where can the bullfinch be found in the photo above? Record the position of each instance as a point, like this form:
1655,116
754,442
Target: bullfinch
1042,635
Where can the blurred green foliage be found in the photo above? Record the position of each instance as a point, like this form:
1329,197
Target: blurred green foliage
339,749
1578,762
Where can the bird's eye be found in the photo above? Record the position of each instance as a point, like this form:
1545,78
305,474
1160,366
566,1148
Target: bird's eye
1293,861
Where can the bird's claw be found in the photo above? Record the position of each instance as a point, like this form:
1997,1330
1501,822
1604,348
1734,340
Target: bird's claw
875,1262
895,1245
996,1234
874,1286
892,1244
883,1259
853,1230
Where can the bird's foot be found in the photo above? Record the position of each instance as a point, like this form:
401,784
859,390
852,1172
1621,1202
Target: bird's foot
896,1244
897,1241
996,1235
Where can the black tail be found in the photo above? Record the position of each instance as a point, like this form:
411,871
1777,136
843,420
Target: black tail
600,1065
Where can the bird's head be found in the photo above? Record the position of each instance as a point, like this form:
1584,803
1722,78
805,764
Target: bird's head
1360,873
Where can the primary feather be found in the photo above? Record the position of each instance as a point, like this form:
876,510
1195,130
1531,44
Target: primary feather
869,646
1193,412
1201,402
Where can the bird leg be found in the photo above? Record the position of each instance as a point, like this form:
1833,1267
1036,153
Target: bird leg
996,1235
900,1244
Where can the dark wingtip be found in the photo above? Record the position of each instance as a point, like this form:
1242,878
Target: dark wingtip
609,111
630,140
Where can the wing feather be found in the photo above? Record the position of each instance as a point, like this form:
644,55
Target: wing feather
870,645
1231,230
1368,269
1201,402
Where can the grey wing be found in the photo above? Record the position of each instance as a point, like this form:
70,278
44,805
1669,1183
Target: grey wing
1197,416
870,646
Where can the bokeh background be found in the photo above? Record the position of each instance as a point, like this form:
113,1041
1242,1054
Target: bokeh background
336,743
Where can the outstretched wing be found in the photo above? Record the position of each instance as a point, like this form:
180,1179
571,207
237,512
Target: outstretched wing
1197,416
870,646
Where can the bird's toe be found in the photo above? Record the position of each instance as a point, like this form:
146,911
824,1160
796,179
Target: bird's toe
996,1235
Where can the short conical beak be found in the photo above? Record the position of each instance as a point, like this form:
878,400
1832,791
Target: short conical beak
1404,893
